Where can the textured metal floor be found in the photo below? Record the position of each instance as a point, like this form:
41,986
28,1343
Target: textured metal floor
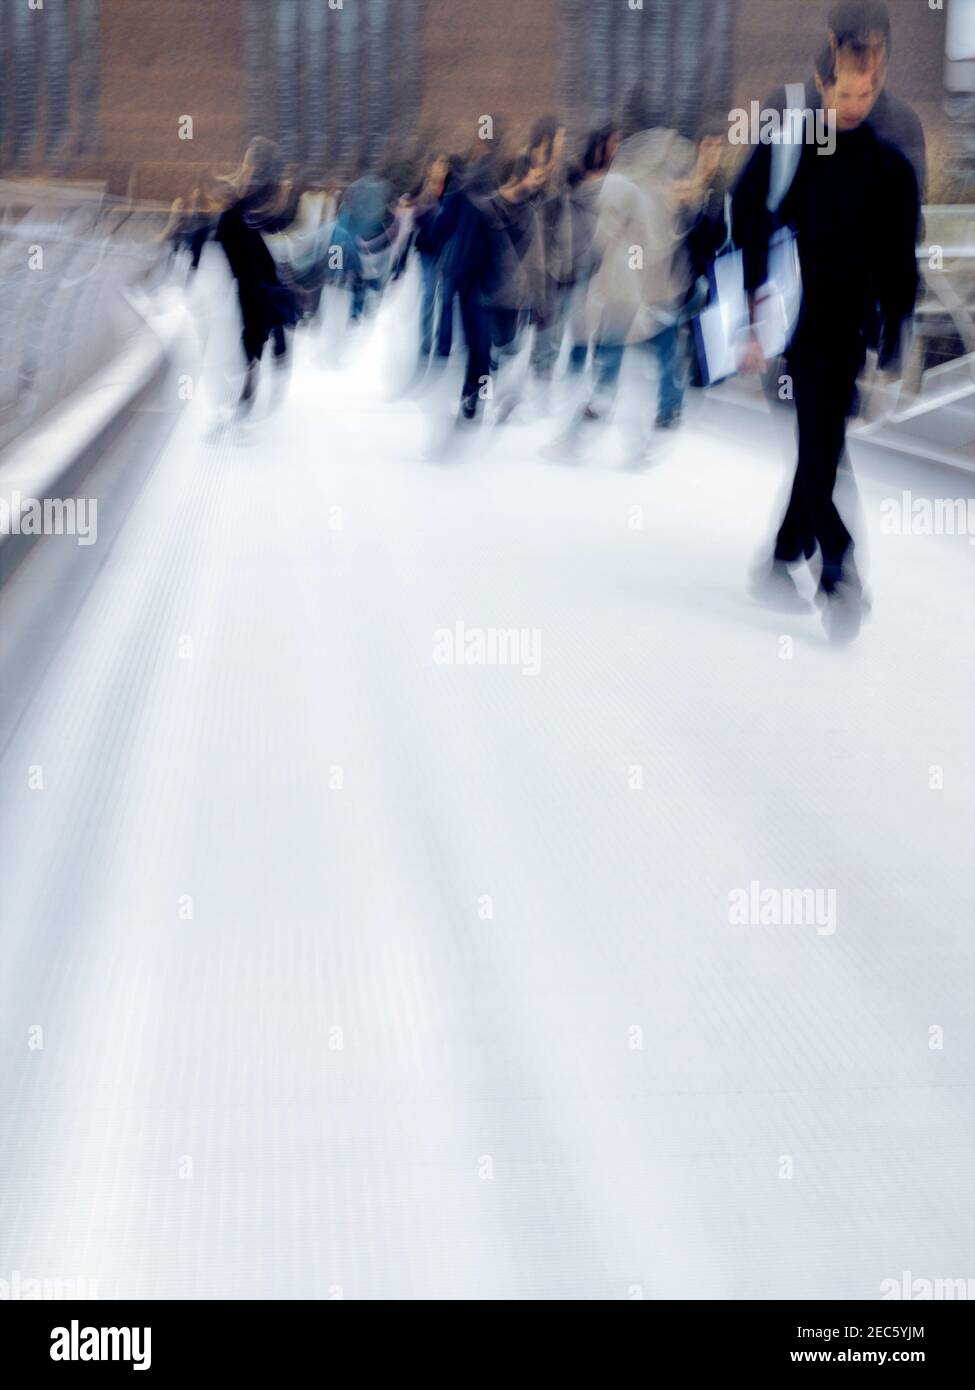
290,1047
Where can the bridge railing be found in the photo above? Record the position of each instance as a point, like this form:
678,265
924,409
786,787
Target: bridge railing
946,310
65,255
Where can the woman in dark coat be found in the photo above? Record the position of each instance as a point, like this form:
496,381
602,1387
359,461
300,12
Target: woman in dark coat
264,205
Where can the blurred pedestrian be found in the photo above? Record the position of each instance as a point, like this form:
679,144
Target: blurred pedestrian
262,204
855,215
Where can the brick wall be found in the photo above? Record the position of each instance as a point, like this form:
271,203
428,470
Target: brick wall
489,57
161,59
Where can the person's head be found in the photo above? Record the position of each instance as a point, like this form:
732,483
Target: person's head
862,22
848,79
263,165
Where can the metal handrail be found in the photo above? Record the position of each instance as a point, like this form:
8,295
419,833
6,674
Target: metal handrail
64,320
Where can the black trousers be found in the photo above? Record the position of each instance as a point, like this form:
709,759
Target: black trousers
255,335
824,374
477,332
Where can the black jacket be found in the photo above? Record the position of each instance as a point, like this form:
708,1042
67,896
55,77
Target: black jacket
469,240
892,121
265,302
855,215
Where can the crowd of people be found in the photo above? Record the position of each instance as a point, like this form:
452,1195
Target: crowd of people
595,249
572,252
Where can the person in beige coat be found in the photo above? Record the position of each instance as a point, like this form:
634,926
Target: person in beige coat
644,273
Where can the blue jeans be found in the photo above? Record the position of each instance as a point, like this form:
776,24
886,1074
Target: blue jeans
547,344
436,309
578,357
665,346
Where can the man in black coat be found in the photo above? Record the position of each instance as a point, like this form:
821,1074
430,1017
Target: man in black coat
855,214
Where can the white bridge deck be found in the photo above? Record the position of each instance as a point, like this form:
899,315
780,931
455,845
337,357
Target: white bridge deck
368,975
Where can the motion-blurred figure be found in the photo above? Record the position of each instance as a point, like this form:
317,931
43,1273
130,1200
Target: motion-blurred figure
643,275
192,223
364,232
301,251
268,308
492,255
705,196
436,304
546,151
516,285
855,214
585,181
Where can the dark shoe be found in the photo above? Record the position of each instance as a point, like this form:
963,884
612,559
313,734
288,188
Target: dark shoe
468,407
249,391
668,422
844,606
